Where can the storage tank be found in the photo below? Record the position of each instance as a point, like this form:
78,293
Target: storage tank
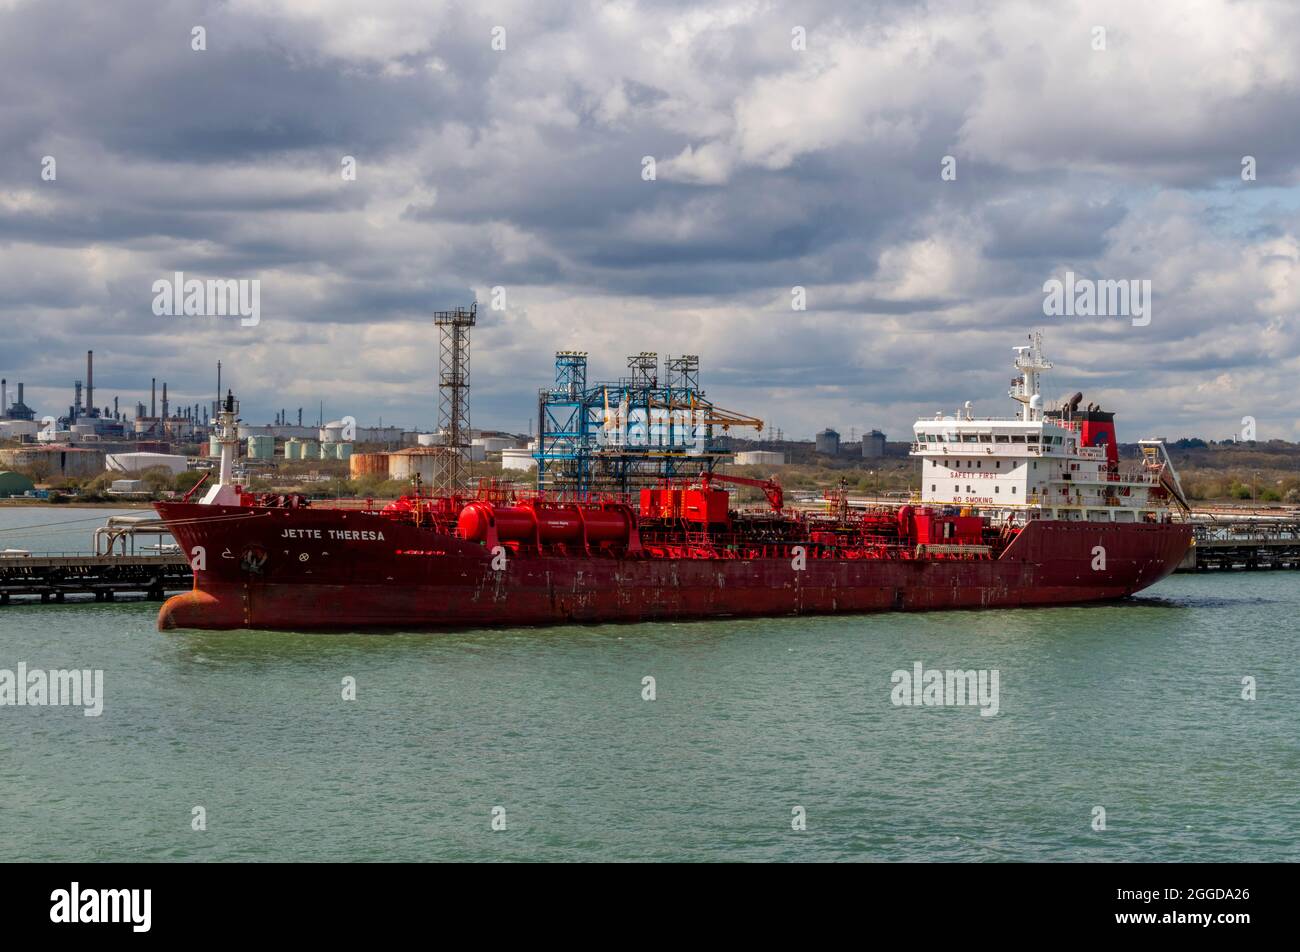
518,459
261,447
418,460
332,432
293,449
760,458
494,444
828,442
428,439
309,449
873,445
138,462
368,464
214,447
343,451
527,523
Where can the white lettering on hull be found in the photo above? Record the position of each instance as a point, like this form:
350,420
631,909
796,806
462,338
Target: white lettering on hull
344,535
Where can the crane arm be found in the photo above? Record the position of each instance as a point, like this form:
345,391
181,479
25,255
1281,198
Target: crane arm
712,415
771,488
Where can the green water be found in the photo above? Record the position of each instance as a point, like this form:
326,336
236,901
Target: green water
1134,707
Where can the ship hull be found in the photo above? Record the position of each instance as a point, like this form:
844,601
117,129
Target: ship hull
322,569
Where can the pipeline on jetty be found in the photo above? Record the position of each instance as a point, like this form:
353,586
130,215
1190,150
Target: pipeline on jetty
1246,544
53,577
119,565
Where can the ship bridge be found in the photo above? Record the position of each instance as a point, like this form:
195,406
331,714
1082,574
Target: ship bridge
1055,464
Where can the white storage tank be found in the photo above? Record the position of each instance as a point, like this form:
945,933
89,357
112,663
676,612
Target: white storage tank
343,451
494,444
760,458
429,439
138,462
214,447
518,459
261,447
293,449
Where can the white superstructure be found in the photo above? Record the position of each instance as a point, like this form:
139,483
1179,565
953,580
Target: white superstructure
1059,464
226,492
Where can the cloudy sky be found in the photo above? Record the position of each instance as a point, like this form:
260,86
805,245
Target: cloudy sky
1101,138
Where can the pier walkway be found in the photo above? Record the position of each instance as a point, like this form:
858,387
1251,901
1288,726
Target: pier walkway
52,577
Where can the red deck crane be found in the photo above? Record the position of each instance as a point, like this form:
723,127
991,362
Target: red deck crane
771,488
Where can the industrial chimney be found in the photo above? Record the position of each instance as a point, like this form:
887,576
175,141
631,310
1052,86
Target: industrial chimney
4,398
164,403
153,397
90,384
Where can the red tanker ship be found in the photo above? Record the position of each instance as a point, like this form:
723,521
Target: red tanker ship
1033,510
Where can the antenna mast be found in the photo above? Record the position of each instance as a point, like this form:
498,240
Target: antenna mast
1030,362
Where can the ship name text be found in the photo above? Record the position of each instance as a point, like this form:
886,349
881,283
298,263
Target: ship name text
349,535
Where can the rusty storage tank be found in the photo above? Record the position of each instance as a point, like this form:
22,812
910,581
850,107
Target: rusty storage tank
368,464
417,460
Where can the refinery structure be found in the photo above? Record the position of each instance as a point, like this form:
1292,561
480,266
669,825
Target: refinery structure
652,425
617,435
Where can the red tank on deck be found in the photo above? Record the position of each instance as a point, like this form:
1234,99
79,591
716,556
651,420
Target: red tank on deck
580,525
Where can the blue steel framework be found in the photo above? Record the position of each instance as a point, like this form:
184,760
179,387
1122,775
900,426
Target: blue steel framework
571,454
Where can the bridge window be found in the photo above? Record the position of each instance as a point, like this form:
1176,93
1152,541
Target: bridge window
1017,438
1002,438
986,438
1013,489
969,438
